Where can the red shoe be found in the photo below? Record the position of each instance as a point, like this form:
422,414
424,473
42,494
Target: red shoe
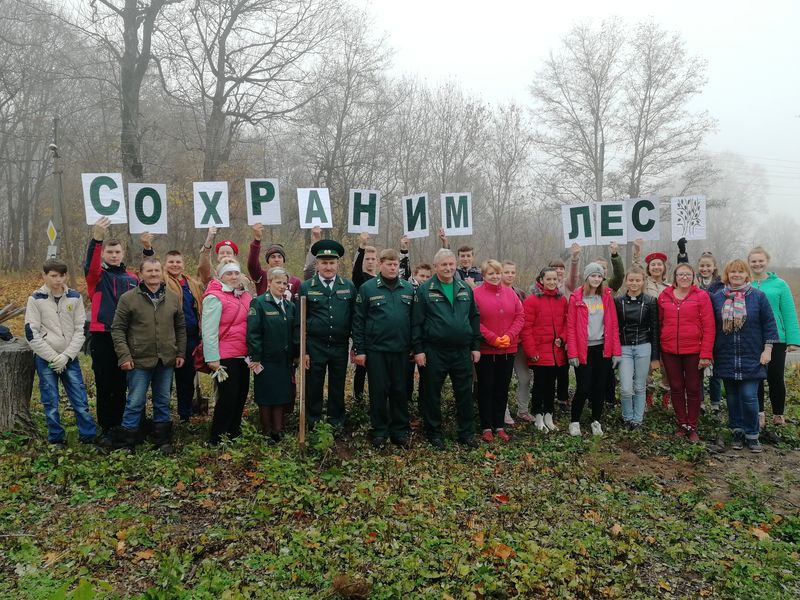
680,432
693,437
503,435
487,436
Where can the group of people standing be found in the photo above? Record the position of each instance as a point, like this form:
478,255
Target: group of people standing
449,319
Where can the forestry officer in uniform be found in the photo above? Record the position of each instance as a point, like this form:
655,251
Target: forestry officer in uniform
330,302
445,337
381,342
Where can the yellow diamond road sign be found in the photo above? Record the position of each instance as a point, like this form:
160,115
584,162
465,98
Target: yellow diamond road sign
51,232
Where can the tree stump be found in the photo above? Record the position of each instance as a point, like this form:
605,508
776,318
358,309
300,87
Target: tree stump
16,385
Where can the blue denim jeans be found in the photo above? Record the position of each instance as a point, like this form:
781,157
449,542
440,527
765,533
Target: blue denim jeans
633,370
72,380
160,379
742,397
714,389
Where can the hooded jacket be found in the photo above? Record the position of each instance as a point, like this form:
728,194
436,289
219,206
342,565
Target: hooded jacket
545,322
500,314
782,303
54,328
104,285
686,326
578,326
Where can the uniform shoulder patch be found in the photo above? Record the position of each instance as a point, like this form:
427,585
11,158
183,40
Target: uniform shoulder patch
252,311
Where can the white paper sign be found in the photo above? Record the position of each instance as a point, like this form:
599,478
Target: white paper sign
211,204
314,207
363,211
457,213
147,208
612,222
263,201
103,196
415,215
577,221
643,219
688,217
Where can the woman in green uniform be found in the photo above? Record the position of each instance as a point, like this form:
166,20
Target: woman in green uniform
273,334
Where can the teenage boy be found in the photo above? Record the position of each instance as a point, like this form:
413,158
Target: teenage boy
149,334
275,256
466,269
106,280
365,266
54,321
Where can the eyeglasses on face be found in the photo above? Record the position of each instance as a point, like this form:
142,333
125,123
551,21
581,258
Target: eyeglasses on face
685,275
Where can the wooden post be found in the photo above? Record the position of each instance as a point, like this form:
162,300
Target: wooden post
301,435
16,385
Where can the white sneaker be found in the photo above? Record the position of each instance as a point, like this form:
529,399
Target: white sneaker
548,422
596,429
575,429
539,423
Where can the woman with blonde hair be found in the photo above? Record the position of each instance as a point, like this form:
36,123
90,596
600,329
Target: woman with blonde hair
782,303
746,334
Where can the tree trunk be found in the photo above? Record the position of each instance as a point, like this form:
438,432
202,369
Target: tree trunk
16,385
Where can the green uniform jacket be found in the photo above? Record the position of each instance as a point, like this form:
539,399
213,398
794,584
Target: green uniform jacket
146,332
329,315
382,319
437,323
272,335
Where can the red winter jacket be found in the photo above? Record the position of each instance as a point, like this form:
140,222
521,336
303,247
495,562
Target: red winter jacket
545,321
500,314
578,326
687,326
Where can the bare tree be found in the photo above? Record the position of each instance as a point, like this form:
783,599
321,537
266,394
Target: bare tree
658,132
506,160
577,99
240,63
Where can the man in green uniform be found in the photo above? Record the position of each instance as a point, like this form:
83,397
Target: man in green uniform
330,300
381,342
445,337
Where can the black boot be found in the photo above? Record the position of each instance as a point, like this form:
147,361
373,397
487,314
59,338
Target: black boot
125,439
162,437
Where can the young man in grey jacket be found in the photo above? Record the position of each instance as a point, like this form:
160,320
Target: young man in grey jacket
54,329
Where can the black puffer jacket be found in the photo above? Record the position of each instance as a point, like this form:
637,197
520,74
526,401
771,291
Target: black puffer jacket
638,322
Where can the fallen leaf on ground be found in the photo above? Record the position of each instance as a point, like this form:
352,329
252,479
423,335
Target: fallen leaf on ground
500,498
616,530
479,538
759,533
225,456
664,585
120,547
502,551
144,555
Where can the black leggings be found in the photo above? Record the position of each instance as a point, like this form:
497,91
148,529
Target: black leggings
544,387
591,379
777,385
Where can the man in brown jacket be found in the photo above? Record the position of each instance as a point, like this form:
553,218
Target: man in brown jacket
149,334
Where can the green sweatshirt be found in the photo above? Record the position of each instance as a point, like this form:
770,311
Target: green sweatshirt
780,299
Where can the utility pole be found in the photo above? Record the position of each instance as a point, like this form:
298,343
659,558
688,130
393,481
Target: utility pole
56,230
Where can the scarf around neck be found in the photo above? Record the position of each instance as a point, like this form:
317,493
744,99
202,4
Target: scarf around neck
734,311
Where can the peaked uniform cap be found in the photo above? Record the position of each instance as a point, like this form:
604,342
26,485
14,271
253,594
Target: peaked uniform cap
327,249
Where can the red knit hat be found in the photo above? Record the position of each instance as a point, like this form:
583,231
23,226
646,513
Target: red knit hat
228,243
659,255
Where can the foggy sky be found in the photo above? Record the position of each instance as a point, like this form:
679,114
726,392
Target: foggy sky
495,48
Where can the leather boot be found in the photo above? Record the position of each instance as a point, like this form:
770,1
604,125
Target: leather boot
125,439
162,437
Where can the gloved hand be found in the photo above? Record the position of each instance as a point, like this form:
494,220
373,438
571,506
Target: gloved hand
615,360
498,342
574,362
682,245
220,374
59,363
505,341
